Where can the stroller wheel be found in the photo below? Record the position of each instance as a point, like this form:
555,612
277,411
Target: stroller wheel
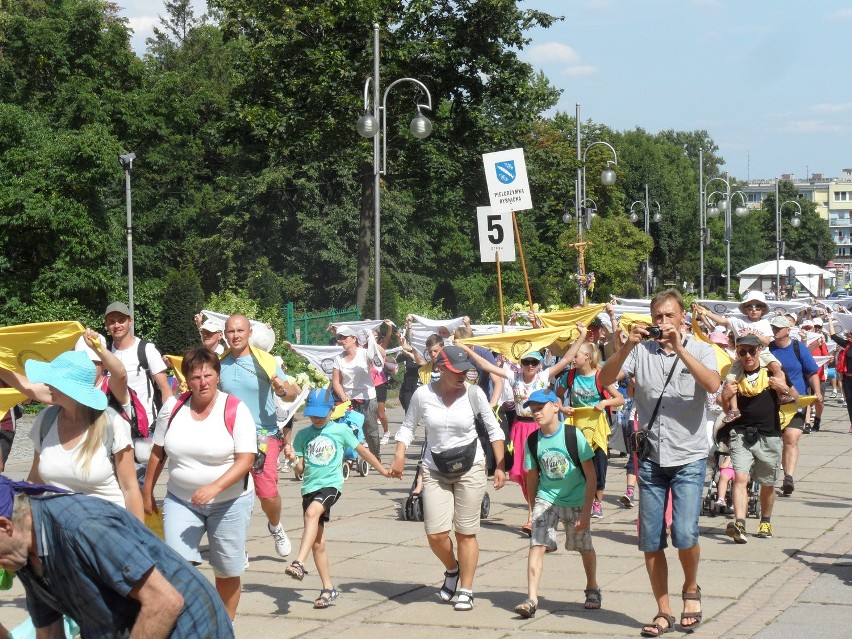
346,470
418,508
363,467
485,508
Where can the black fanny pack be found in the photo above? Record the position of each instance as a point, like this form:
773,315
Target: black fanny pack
455,461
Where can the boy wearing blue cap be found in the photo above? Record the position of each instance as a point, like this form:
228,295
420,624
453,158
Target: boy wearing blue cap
319,451
561,481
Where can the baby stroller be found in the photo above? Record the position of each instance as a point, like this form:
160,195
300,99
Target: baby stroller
355,421
709,504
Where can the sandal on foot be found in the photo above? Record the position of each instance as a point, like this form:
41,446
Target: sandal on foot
326,596
451,582
657,628
465,600
691,596
526,529
296,570
593,598
730,416
527,608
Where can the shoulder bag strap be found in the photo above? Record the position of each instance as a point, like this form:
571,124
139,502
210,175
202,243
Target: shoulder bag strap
659,401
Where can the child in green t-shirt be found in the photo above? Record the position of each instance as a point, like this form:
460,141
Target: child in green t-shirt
560,492
319,450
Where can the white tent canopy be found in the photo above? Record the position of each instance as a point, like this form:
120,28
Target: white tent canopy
761,277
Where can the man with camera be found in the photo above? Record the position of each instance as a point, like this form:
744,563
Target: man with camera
673,376
755,437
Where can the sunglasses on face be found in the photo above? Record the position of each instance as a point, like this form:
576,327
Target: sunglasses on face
754,307
746,350
529,362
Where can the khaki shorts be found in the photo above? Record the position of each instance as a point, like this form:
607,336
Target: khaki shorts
764,455
453,503
544,519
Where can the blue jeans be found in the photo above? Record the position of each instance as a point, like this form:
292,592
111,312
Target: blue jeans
686,483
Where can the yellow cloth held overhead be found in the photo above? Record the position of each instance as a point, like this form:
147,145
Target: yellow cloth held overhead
723,360
627,320
43,341
267,362
516,344
571,316
594,425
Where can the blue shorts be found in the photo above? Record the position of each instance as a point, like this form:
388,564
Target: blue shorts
225,523
687,484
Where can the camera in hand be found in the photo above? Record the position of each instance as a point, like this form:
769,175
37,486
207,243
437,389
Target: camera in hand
654,332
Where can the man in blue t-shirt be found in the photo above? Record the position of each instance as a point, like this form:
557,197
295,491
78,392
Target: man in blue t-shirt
561,491
243,376
799,364
95,562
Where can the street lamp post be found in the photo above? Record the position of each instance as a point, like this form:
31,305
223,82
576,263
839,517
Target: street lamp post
368,126
724,206
584,213
646,205
779,244
126,161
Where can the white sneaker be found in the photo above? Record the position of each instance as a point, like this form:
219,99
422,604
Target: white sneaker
282,541
385,439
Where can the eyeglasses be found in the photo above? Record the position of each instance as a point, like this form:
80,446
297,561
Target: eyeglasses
754,307
746,350
529,362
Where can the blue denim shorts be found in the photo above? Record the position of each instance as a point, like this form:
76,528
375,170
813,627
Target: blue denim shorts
225,523
687,484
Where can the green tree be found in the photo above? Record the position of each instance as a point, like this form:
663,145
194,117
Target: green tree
182,299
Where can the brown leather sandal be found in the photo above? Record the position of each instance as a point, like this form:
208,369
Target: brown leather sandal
691,596
658,629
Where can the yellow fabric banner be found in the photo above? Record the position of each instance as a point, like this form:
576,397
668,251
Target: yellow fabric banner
627,320
569,317
516,344
723,360
267,362
42,341
594,425
789,410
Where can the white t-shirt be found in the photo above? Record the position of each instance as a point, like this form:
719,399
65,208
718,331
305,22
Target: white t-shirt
355,375
59,467
738,325
137,379
201,452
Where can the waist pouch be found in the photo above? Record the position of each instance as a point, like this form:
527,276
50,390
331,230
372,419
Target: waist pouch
455,461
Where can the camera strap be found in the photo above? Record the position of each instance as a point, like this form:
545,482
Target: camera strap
662,392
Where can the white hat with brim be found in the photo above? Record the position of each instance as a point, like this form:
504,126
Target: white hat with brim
72,373
752,297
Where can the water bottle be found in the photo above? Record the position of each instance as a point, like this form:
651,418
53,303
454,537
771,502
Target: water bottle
260,457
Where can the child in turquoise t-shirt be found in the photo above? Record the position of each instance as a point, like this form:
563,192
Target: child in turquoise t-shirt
561,493
319,450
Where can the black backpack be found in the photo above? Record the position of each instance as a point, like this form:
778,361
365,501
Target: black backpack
570,444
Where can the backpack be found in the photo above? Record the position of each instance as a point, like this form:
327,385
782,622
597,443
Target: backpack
603,392
51,414
570,444
153,388
840,365
231,403
138,417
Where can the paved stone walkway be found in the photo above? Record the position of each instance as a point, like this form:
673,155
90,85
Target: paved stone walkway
794,585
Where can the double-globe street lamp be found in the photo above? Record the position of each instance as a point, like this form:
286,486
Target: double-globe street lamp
646,205
723,205
584,213
126,161
779,244
368,126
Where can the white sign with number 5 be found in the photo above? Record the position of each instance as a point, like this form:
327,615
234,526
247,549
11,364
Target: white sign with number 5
495,234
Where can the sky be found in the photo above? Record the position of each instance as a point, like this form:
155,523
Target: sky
765,78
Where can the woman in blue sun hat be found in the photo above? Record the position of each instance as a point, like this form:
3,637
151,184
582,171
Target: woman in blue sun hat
79,444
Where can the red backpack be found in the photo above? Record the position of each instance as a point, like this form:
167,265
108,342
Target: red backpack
840,364
231,403
138,417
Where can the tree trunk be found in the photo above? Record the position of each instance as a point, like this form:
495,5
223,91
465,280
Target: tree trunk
365,230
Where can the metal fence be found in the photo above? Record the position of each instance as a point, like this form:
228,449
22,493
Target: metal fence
313,328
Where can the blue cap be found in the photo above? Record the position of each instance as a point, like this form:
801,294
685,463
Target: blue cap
532,355
541,397
319,403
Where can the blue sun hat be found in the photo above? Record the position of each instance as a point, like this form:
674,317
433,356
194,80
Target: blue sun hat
72,373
